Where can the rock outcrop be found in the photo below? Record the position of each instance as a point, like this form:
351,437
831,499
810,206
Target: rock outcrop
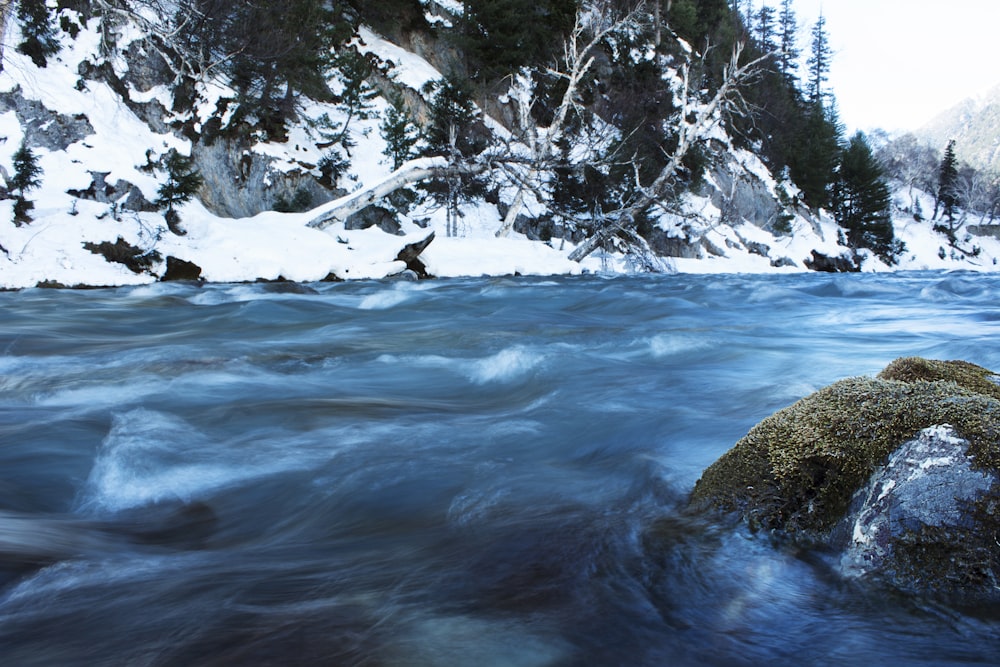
899,473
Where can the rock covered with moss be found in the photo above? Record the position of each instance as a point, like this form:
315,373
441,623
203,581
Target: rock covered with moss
900,472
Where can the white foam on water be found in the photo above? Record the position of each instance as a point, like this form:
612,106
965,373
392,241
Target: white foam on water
385,299
669,345
150,457
504,366
147,457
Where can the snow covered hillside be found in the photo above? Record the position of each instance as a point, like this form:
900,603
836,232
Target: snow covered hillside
97,152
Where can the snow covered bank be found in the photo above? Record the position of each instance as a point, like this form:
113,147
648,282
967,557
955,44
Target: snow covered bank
88,140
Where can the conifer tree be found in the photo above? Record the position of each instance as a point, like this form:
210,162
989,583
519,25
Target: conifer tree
38,34
181,185
26,177
862,201
451,133
764,29
399,132
947,194
788,34
813,162
819,61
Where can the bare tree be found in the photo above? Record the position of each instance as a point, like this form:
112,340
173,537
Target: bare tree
167,26
695,122
526,160
528,154
542,143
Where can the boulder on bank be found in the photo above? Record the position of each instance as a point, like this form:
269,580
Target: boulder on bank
899,473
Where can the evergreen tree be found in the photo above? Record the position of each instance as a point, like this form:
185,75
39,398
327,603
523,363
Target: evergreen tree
273,51
813,162
947,194
399,132
819,62
26,177
788,33
38,34
764,29
862,201
181,185
453,132
500,36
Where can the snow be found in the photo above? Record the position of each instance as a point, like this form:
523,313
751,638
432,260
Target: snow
275,245
408,68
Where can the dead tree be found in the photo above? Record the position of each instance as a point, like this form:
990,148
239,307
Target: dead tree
541,142
695,122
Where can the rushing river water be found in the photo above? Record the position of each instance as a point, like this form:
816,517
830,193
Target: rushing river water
466,472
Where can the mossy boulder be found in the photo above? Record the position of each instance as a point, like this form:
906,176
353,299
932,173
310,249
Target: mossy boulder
853,459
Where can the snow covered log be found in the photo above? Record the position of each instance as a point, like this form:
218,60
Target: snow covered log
410,172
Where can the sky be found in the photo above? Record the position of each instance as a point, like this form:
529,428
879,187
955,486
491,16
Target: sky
899,63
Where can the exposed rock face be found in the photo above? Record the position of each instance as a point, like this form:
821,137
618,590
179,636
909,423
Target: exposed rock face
374,216
43,127
181,269
826,264
901,473
240,183
930,483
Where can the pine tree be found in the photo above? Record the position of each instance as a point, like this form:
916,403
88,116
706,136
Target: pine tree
819,62
813,161
38,34
26,177
764,29
399,132
788,32
452,133
181,185
947,194
498,37
862,201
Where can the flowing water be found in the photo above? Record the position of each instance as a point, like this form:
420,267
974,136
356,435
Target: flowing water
464,472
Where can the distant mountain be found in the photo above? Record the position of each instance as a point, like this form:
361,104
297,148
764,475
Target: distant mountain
974,124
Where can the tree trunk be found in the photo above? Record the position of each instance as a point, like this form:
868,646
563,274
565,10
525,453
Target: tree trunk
412,171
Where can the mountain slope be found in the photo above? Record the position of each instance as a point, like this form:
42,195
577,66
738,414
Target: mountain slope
974,124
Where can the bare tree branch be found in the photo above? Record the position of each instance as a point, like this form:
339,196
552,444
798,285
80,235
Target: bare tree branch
696,121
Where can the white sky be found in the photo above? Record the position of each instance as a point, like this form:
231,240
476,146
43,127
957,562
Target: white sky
899,63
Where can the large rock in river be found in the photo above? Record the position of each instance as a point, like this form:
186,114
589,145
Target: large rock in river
899,473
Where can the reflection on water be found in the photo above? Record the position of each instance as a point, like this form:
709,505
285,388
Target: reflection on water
445,473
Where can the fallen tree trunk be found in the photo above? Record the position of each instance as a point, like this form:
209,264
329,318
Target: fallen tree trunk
410,172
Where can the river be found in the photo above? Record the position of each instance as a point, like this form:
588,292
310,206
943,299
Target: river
456,472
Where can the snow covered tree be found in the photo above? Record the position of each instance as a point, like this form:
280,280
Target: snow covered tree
862,201
400,133
913,163
182,183
26,177
947,193
38,33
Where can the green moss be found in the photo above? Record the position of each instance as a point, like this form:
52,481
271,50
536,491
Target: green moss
798,469
972,377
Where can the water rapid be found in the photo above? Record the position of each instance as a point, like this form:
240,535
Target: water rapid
460,472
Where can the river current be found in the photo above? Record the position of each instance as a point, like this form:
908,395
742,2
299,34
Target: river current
457,472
